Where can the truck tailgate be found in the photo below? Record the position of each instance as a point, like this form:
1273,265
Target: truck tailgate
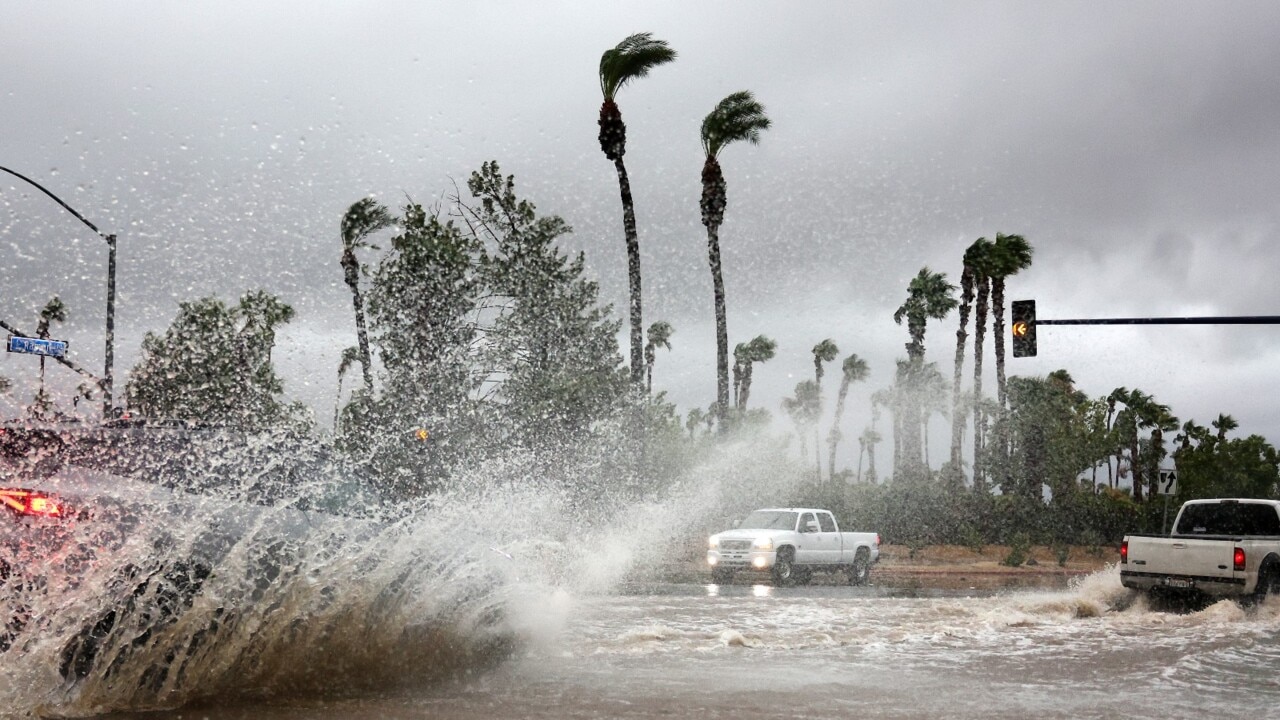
1182,557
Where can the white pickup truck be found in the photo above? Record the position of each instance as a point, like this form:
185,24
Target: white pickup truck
1218,548
790,544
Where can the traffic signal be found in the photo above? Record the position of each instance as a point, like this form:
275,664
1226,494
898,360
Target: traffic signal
1023,326
421,434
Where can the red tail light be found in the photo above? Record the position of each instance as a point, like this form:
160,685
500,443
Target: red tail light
1124,552
26,502
877,539
1237,559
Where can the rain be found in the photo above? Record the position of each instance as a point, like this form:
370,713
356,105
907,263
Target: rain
409,360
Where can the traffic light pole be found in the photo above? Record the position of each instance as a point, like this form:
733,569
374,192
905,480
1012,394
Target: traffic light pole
1212,320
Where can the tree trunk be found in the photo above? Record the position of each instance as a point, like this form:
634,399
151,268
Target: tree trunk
962,335
979,332
351,271
834,437
722,324
633,273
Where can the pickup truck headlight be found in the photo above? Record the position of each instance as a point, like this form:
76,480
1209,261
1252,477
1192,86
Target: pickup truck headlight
714,542
762,543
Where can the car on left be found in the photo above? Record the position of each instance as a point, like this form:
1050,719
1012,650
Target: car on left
143,517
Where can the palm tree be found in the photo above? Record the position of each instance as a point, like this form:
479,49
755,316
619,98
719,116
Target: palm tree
1224,424
823,352
803,410
53,311
869,439
929,295
695,418
364,218
971,260
349,356
759,349
978,257
659,337
737,117
1010,255
632,58
1116,395
854,369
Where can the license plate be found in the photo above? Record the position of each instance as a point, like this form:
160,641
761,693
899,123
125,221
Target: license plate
1178,583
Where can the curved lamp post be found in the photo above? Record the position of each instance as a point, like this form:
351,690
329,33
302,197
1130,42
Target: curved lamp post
109,356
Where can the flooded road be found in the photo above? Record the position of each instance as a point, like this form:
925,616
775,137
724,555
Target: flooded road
742,651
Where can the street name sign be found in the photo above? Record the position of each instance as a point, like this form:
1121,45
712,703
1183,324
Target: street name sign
37,346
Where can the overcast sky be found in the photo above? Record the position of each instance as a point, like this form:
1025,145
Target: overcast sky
1135,145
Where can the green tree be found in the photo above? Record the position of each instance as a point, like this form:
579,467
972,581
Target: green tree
1010,254
853,369
746,355
1223,425
659,337
53,311
213,365
632,58
737,117
1236,467
364,218
929,296
553,348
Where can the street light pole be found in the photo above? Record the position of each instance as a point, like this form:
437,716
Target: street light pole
109,355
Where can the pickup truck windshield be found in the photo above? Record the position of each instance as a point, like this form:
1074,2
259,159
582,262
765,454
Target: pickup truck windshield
769,520
1228,519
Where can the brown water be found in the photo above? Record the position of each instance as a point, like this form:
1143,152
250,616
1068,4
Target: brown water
1091,651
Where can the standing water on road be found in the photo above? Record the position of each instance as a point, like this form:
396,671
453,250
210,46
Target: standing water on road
507,604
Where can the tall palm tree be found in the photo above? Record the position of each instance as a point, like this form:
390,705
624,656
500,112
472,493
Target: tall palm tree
823,352
759,349
1116,396
659,337
971,256
737,117
978,257
349,356
1010,255
53,311
632,58
803,410
929,296
364,218
853,369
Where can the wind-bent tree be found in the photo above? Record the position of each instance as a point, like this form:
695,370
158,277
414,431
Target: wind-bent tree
349,356
737,117
971,260
868,441
1010,255
823,352
854,369
659,337
364,218
929,296
746,355
632,58
53,311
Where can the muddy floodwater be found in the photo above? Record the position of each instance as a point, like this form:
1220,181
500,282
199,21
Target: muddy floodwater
1092,650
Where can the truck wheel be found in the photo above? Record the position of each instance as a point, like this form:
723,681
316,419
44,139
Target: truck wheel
1268,583
722,576
860,570
783,567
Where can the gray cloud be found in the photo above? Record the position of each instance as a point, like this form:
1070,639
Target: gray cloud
1134,145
